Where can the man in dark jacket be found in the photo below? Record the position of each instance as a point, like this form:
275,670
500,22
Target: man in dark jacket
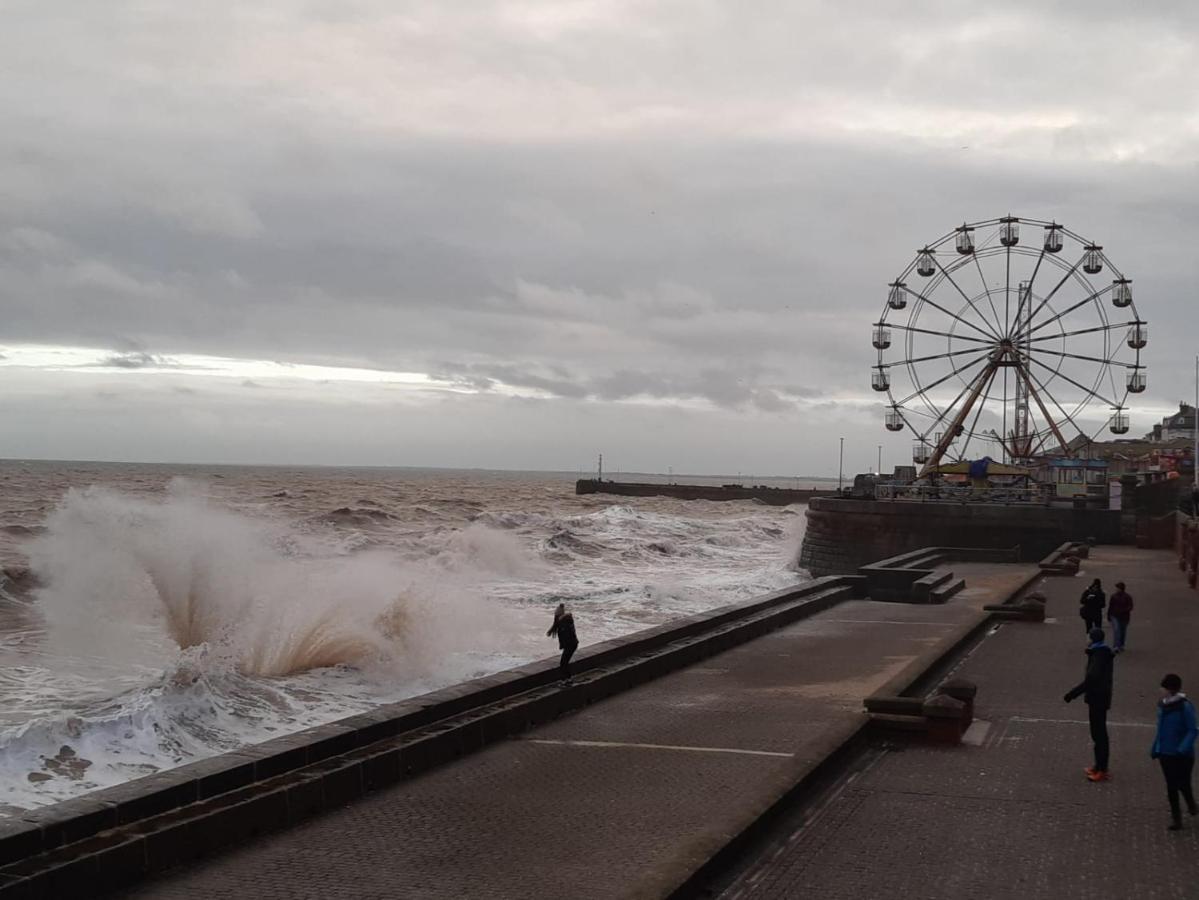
568,641
1096,690
1119,612
1091,606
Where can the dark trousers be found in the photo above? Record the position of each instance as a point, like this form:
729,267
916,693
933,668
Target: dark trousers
1092,619
1177,770
564,665
1119,631
1099,735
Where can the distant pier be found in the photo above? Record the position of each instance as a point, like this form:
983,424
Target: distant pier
773,496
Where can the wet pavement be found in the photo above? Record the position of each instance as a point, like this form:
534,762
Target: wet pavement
625,798
1011,815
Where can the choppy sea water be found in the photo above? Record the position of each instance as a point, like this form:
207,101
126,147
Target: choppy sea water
171,613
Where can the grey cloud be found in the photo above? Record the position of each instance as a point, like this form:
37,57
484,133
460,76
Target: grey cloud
135,360
599,202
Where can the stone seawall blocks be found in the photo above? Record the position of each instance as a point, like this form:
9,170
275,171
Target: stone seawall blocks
844,535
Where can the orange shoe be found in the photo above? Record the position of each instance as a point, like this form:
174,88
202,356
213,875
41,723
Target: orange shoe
1098,775
1089,771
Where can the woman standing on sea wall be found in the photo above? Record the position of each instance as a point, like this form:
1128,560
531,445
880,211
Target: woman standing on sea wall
568,641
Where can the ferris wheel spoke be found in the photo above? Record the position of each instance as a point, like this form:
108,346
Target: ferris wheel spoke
957,370
1027,292
990,338
1065,312
917,359
940,418
1057,287
983,278
1064,377
1109,361
1111,326
958,288
956,337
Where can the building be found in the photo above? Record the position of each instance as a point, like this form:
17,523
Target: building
1179,425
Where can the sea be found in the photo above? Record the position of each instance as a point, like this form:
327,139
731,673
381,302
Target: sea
153,615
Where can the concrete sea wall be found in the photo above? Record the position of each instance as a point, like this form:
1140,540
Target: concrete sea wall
843,535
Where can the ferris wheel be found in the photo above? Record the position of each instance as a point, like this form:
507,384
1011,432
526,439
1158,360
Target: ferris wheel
989,337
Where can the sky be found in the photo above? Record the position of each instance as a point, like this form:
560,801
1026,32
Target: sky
516,235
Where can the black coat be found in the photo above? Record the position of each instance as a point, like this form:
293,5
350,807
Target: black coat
1096,686
1091,603
564,627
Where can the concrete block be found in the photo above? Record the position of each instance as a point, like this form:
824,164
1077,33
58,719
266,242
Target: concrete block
305,797
341,781
279,755
153,794
255,815
222,774
121,863
19,839
329,740
171,844
72,820
382,769
965,691
945,718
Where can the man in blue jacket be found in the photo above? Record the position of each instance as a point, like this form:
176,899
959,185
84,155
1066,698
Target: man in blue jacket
1174,746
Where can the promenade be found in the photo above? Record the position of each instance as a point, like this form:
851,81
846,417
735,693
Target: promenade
1012,815
626,798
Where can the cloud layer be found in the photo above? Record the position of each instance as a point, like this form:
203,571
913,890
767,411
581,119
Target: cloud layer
600,210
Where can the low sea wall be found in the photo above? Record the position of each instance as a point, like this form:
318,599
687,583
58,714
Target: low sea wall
843,535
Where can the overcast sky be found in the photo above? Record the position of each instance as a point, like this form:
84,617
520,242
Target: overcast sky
513,235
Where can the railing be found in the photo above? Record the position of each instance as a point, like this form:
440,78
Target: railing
941,493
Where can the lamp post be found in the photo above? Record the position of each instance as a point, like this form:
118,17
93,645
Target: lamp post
841,466
879,470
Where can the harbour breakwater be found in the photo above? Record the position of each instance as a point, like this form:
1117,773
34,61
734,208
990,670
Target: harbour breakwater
774,496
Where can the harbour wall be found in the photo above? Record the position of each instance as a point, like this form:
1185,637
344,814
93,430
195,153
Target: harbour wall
771,495
842,535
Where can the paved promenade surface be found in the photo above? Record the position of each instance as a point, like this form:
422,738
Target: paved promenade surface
622,799
1014,816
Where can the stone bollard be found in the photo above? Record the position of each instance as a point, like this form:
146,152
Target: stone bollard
943,718
961,689
1032,607
1072,564
1083,550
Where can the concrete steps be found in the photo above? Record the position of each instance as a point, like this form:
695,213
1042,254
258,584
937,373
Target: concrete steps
940,595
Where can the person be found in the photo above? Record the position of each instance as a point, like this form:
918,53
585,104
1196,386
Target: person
1174,746
568,641
1096,690
1119,611
1091,606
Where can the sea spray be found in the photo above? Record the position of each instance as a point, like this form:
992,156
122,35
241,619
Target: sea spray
121,574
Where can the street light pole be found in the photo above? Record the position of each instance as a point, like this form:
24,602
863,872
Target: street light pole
1195,429
841,466
879,470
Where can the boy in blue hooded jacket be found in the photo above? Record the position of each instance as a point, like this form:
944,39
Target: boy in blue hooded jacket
1174,746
